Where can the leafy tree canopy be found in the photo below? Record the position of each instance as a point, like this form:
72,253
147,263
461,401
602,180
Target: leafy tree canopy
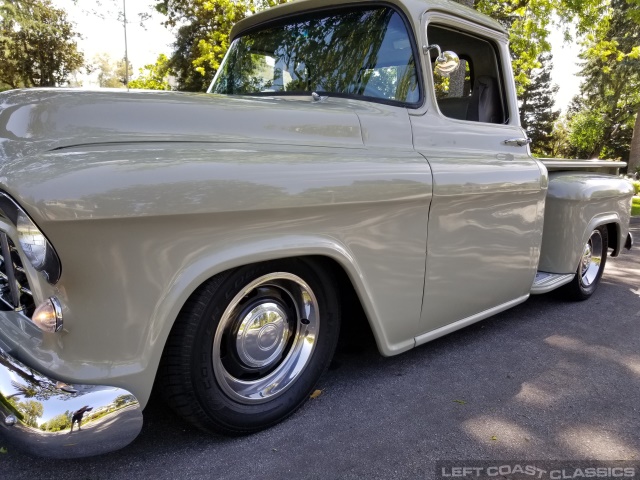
153,76
37,44
530,22
610,92
110,74
203,35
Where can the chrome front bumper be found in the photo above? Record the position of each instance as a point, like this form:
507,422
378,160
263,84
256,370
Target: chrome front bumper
36,414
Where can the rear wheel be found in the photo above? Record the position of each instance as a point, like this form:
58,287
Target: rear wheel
591,267
250,345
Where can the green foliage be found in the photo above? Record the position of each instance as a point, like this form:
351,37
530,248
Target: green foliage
537,115
529,23
32,410
636,187
154,76
587,129
11,404
203,35
37,45
635,206
110,74
122,400
610,93
58,423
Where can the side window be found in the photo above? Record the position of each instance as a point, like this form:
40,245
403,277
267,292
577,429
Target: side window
475,91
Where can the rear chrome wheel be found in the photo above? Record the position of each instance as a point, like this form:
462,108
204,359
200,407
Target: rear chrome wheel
250,345
592,255
591,266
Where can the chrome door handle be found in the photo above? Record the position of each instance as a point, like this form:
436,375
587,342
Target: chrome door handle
517,142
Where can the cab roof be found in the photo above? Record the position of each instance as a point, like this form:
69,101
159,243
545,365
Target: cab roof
412,8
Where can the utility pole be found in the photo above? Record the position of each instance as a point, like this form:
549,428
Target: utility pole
126,52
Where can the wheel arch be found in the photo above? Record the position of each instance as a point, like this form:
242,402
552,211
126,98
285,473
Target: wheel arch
325,252
612,223
614,232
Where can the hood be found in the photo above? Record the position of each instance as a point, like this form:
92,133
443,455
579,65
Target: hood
39,120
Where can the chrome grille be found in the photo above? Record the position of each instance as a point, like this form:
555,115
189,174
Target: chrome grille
14,286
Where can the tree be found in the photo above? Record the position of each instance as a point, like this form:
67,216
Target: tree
32,410
634,150
122,400
37,44
110,74
529,23
153,76
58,423
537,115
203,35
610,93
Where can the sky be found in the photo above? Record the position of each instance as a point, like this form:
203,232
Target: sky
105,34
565,68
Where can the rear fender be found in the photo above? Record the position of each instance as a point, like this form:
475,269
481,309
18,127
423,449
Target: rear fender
577,203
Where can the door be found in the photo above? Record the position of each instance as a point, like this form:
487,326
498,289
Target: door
485,222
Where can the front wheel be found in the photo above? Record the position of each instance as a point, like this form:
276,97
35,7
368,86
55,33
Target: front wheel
250,345
591,267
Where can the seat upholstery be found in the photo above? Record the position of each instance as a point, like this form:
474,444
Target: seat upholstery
485,105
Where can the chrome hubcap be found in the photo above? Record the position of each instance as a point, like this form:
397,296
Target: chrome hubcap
265,338
591,259
262,335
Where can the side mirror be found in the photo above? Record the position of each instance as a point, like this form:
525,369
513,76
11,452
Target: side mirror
446,63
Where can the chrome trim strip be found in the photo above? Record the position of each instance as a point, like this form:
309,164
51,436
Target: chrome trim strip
58,309
546,282
102,418
11,279
580,164
452,327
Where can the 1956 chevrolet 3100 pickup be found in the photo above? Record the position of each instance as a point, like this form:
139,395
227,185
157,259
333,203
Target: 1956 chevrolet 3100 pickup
205,243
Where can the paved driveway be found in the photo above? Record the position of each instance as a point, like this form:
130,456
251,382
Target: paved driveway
545,380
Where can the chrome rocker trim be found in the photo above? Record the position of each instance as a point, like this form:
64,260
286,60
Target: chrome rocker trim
546,282
110,417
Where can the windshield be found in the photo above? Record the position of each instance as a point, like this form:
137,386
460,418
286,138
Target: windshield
355,52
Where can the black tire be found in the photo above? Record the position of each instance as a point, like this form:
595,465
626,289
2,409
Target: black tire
198,372
590,269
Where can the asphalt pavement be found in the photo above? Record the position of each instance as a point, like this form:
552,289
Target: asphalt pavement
548,379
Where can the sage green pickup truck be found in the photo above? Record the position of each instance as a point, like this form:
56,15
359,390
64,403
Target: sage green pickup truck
205,244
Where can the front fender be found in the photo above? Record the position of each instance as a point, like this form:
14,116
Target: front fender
272,248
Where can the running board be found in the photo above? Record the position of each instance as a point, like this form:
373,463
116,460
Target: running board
545,282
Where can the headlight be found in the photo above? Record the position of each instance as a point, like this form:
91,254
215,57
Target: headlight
34,244
32,241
